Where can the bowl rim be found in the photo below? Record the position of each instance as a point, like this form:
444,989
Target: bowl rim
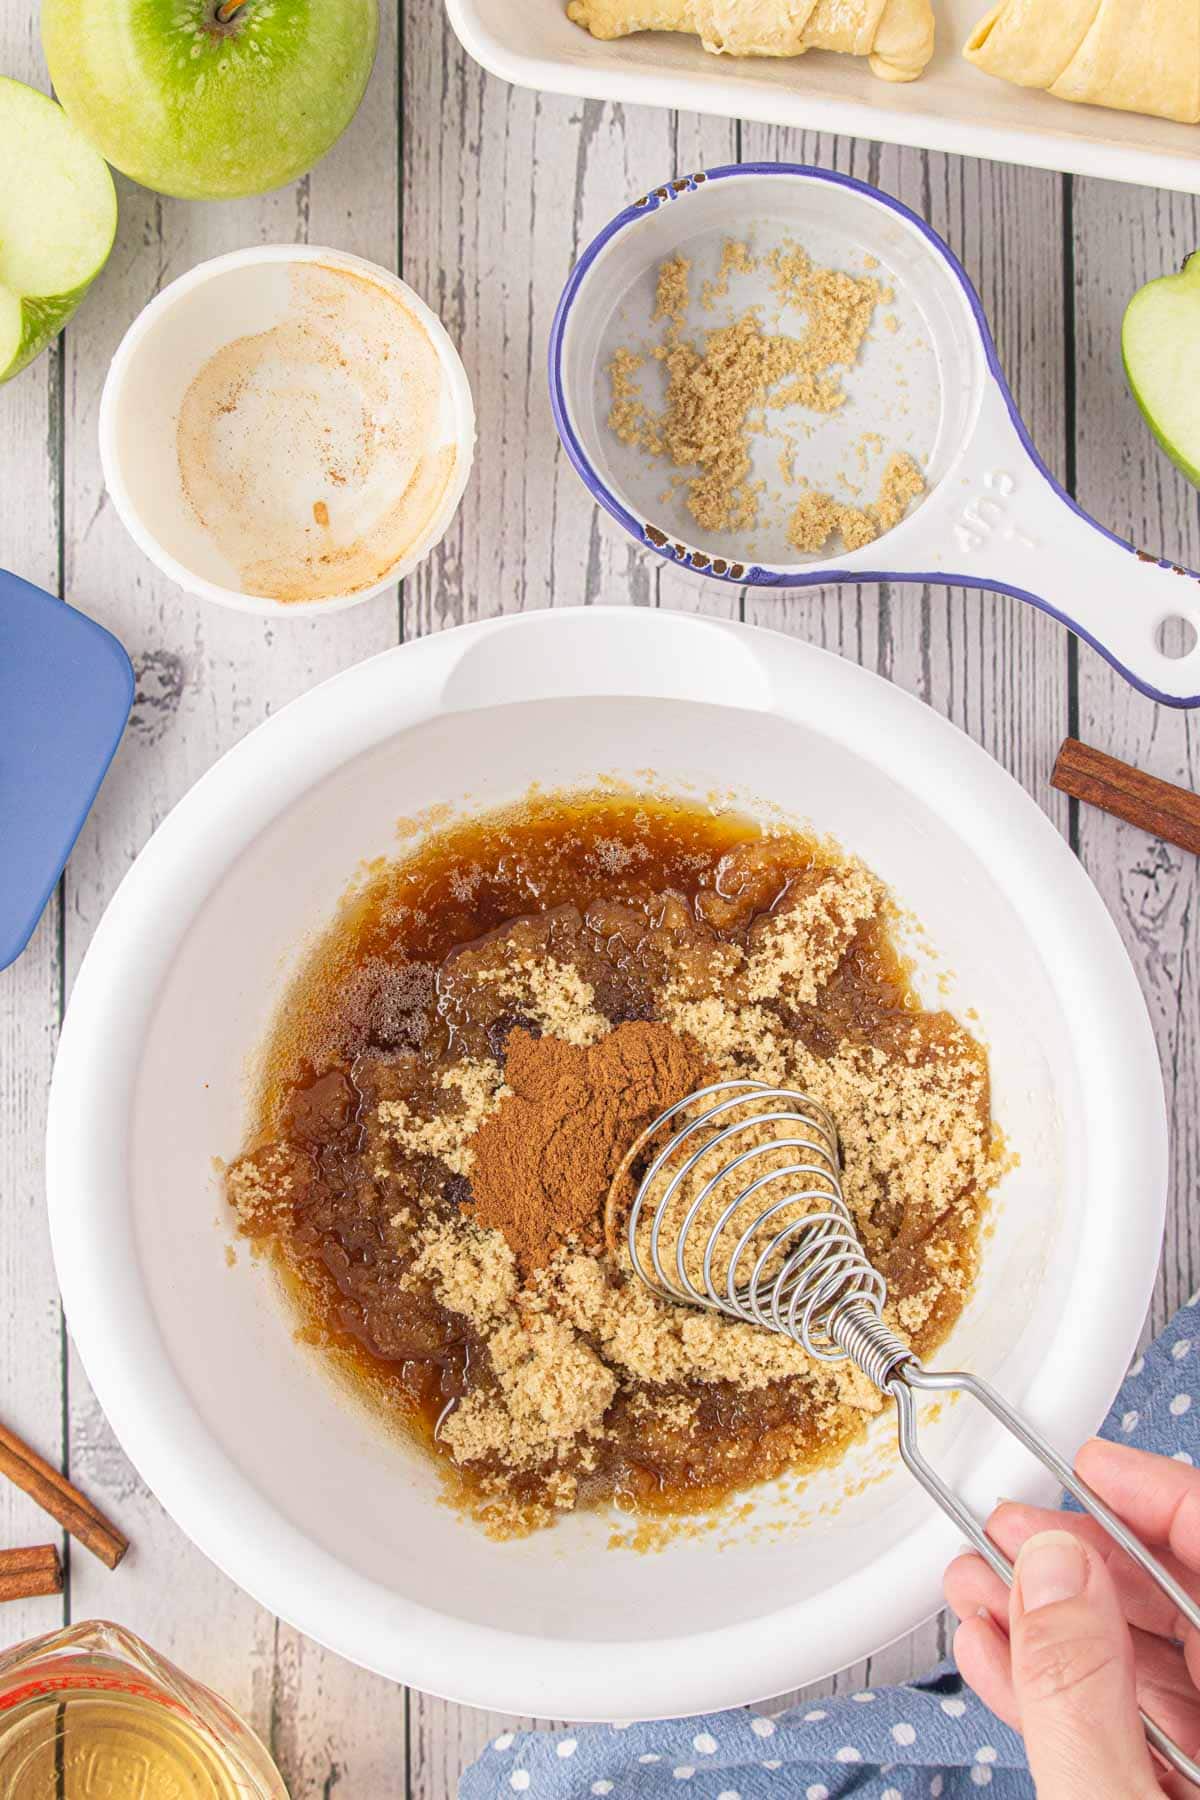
573,652
152,316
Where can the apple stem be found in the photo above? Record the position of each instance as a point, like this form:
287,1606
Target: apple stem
227,9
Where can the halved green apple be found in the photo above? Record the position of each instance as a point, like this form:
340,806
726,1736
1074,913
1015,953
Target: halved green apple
58,218
1160,341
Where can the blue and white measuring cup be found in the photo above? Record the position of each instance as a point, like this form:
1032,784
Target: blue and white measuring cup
927,380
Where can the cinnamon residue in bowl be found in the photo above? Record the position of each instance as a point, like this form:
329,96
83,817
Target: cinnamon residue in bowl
311,453
458,1074
545,1159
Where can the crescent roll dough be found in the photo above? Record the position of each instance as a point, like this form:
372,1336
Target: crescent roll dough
897,35
1138,55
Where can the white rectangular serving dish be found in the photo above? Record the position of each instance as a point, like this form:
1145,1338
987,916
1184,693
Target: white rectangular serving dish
954,106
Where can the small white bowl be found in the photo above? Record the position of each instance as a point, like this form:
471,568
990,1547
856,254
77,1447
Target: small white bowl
166,347
244,1437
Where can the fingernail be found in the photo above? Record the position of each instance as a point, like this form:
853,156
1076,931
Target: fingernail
1051,1566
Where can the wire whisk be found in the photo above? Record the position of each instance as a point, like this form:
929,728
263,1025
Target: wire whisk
738,1207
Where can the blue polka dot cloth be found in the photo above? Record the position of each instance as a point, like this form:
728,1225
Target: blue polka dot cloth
928,1738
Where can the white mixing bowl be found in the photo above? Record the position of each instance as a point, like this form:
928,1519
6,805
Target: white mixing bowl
296,1494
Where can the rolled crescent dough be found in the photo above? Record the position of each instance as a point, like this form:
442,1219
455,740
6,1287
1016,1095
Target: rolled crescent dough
1138,55
897,35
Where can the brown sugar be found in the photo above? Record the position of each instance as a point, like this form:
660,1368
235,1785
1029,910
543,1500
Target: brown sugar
720,388
902,482
712,400
545,1159
819,517
711,396
715,391
628,415
551,1391
435,1154
673,293
797,950
838,307
735,260
447,1134
472,1272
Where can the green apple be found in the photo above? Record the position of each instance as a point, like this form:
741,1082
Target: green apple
211,99
58,217
1160,341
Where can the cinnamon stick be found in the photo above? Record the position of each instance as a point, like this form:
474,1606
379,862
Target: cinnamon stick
1143,800
27,1574
54,1493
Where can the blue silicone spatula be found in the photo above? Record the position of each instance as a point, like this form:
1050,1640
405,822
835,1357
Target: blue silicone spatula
66,688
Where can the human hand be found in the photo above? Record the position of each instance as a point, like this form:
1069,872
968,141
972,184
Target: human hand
1085,1637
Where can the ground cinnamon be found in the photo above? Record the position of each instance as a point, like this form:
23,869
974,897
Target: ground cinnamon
544,1160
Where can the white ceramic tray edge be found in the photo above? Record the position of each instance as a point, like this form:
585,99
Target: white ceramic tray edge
809,111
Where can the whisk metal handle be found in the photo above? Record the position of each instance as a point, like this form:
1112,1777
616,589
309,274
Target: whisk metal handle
904,1379
913,1375
812,1282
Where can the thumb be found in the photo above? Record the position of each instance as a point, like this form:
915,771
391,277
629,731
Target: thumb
1073,1674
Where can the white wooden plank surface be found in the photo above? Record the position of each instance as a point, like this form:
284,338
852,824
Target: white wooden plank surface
31,1400
1122,238
205,677
482,195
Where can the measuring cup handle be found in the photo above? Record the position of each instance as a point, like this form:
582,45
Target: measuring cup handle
1004,523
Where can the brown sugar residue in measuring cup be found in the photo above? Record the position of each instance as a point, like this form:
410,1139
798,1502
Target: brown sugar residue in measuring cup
818,517
722,385
457,1075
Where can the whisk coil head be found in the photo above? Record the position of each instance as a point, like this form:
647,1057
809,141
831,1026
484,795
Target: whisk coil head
740,1210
